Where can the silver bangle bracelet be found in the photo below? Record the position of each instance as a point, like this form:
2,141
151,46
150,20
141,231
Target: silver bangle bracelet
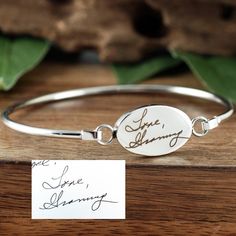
150,130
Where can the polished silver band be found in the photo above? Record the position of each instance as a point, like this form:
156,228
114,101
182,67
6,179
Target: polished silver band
207,124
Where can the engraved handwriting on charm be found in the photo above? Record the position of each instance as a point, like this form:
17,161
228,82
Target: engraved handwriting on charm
153,130
143,128
139,139
141,124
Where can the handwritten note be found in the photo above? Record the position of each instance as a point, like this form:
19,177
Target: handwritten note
78,189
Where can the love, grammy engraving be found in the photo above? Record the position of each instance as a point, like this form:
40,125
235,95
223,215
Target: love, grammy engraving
153,130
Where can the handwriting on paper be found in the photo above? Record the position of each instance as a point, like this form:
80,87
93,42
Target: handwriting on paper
78,189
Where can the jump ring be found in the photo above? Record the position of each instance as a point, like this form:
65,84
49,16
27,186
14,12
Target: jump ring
203,121
100,138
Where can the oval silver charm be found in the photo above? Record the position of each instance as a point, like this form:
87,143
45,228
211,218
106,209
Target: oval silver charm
153,130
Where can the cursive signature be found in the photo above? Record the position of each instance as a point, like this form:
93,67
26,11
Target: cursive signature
56,201
141,124
60,184
142,128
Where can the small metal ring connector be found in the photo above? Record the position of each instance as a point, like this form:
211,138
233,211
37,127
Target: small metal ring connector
100,138
203,121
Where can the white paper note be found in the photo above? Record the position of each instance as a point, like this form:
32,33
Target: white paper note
78,189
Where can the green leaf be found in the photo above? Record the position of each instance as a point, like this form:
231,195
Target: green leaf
18,56
133,73
216,73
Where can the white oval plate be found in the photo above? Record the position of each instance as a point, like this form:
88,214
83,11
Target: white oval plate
153,130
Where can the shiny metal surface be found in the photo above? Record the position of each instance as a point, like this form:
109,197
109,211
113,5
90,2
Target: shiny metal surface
116,89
